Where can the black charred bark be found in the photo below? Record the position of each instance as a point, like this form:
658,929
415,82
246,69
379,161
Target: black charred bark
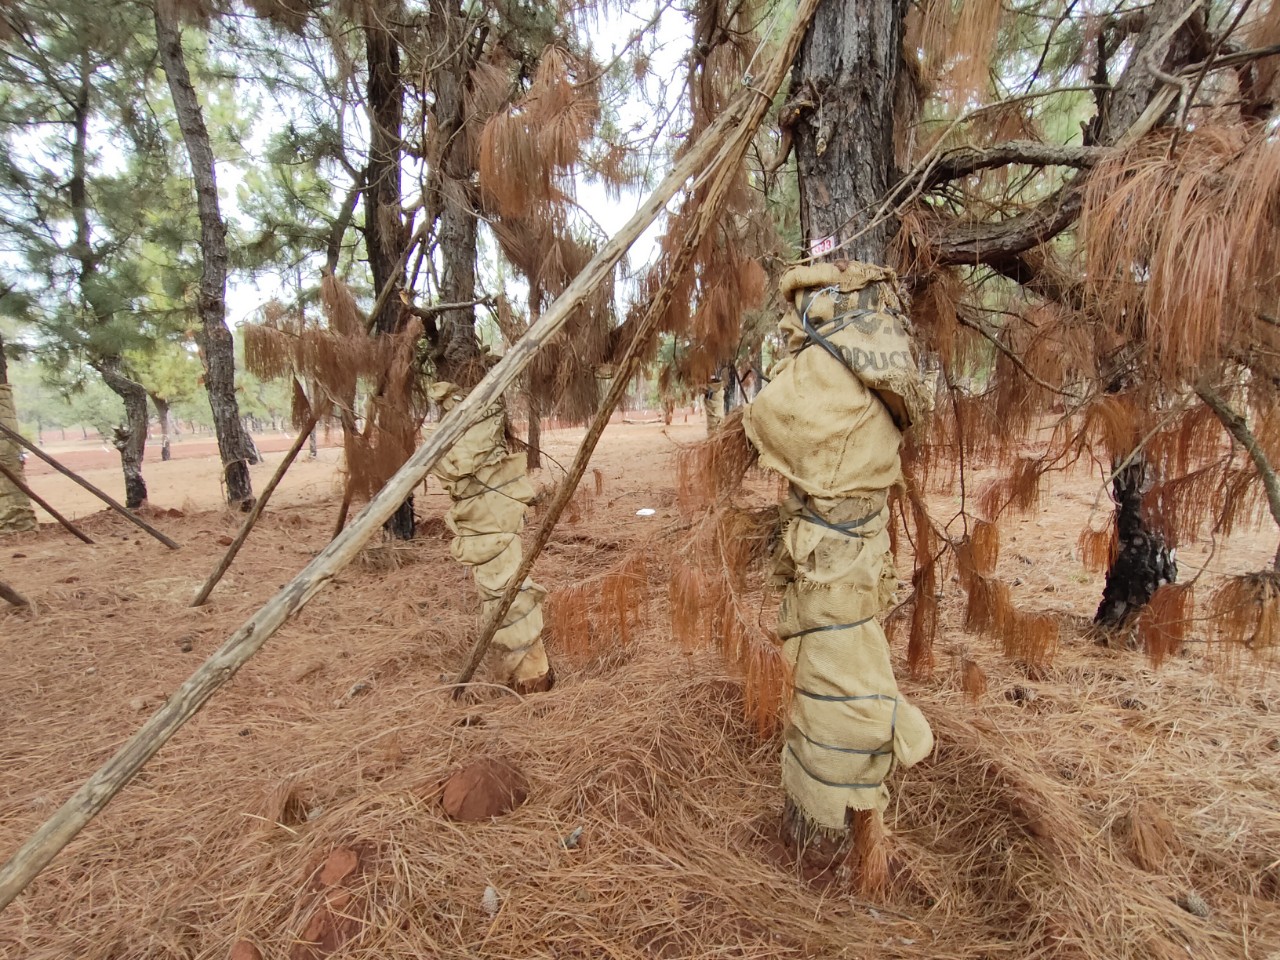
214,339
1143,561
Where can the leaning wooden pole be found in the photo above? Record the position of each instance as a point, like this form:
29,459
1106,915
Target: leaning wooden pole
105,498
86,802
13,596
245,528
44,504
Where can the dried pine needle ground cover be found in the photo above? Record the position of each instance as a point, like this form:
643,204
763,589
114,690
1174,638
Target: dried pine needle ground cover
1094,808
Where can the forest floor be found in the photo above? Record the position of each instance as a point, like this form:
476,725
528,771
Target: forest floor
1094,807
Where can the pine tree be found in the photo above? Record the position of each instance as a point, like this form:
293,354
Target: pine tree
71,71
235,448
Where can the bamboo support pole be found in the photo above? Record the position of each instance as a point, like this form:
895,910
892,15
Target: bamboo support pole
222,665
44,504
105,498
13,596
245,528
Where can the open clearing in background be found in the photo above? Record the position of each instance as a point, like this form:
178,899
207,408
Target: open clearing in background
1096,807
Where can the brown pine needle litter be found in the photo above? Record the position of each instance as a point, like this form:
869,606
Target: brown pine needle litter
1086,805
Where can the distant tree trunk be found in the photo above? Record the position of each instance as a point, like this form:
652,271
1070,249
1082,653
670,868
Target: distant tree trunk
130,438
162,413
1143,561
16,512
217,347
533,451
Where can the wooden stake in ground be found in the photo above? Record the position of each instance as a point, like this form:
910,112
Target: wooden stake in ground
87,801
255,513
44,504
105,498
13,596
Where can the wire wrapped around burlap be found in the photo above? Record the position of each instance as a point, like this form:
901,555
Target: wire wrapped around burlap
16,513
830,421
490,490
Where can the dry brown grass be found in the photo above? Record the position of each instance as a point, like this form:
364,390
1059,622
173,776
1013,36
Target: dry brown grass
1067,809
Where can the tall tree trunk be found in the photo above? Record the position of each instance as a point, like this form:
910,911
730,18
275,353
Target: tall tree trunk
217,347
130,438
16,512
384,233
849,66
162,413
454,200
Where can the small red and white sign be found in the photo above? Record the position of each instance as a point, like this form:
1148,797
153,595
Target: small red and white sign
818,247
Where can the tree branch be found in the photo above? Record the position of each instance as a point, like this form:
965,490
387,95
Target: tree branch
966,160
1238,427
996,242
1138,101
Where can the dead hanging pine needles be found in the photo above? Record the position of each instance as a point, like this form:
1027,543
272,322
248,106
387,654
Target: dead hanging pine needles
710,584
1246,611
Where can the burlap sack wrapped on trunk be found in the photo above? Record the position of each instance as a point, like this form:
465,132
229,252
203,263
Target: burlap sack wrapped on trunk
830,421
490,491
16,513
714,399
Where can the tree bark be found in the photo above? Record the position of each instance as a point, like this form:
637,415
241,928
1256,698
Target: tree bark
455,203
217,347
384,233
130,438
849,64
